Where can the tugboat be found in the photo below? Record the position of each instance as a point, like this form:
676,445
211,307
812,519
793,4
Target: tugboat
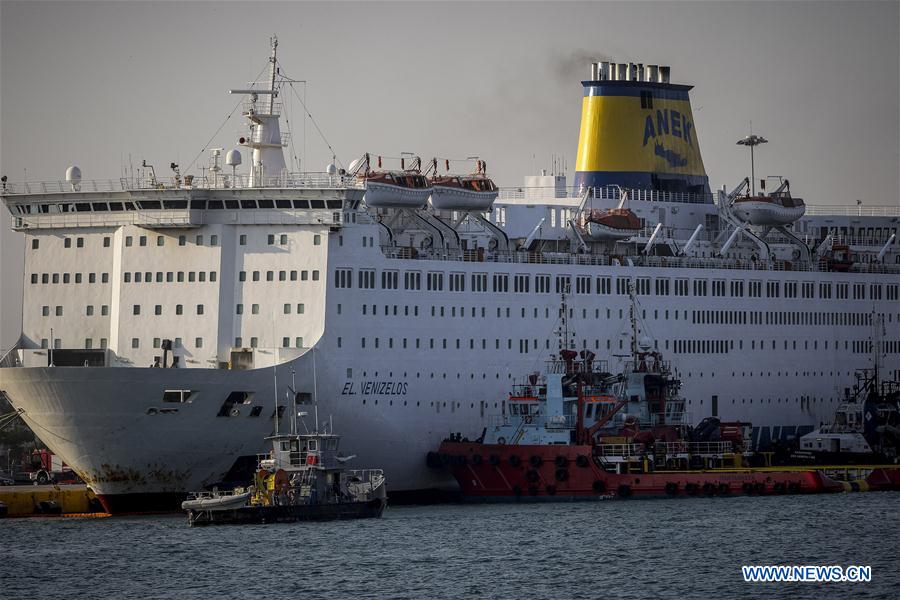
578,432
406,188
303,478
866,425
475,192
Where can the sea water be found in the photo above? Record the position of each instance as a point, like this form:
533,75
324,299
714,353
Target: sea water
681,548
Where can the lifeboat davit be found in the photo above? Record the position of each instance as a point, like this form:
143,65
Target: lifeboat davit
773,210
472,193
396,189
611,224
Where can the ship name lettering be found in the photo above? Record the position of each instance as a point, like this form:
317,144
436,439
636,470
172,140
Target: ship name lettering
376,388
668,121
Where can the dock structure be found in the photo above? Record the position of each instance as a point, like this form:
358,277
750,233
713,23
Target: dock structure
49,500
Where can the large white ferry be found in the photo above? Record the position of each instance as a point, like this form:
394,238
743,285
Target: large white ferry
167,323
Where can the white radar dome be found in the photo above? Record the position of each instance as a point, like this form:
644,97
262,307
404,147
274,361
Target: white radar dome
331,169
645,343
73,176
354,165
233,158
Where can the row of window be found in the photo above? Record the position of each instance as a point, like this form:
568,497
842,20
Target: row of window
67,277
286,309
584,284
161,240
272,239
254,342
697,317
157,343
280,239
692,346
157,309
282,275
737,317
58,207
170,276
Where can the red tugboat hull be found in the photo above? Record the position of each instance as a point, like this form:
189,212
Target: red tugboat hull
500,472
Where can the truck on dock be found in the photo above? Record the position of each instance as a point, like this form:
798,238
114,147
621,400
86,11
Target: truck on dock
47,467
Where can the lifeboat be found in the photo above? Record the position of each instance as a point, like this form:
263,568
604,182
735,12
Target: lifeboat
611,224
472,193
404,188
773,210
396,189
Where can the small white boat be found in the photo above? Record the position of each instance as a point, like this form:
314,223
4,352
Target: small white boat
396,189
216,501
611,224
778,208
471,193
406,188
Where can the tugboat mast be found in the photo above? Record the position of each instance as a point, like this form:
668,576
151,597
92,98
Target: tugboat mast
632,318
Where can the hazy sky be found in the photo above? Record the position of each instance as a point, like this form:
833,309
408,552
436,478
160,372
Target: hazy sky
94,83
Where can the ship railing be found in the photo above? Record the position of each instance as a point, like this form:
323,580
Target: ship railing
532,420
668,418
603,260
223,180
261,106
853,211
558,366
620,450
814,240
173,218
543,193
694,448
363,482
559,422
215,493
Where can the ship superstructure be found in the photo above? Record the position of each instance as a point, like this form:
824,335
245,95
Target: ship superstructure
163,318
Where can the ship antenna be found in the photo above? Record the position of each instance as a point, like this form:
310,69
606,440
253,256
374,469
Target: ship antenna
564,322
315,391
632,317
275,371
293,404
273,70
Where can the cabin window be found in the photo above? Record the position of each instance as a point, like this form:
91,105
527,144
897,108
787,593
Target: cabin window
182,396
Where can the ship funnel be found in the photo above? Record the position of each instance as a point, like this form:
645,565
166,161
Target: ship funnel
637,131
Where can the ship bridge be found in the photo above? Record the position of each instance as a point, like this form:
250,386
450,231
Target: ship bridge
302,198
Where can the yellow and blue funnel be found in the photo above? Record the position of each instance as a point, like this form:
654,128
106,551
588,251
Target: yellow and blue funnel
637,131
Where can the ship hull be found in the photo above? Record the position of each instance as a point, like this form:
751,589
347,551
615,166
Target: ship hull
97,420
259,515
513,473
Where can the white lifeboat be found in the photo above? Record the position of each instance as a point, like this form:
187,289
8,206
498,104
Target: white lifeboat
611,224
396,189
773,210
406,188
471,193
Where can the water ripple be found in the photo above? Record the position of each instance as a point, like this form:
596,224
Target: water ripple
623,550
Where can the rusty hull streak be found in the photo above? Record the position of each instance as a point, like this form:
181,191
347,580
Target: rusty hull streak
117,474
